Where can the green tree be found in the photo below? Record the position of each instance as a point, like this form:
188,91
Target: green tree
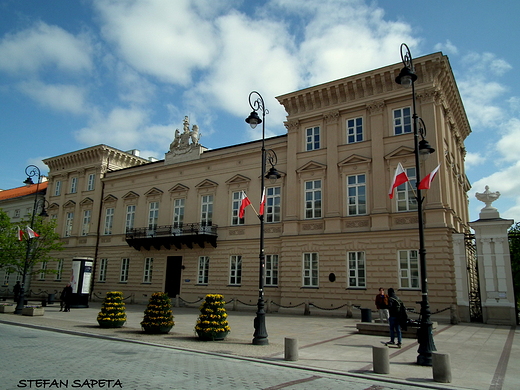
514,249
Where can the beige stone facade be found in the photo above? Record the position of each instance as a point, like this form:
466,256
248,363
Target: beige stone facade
172,225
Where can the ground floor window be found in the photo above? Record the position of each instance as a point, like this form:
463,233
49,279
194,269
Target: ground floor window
310,269
271,270
125,265
147,272
356,269
408,269
235,271
203,270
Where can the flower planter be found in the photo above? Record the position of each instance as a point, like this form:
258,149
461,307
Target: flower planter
33,311
110,324
212,336
7,308
158,317
153,329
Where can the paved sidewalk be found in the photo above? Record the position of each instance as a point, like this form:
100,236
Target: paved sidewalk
482,356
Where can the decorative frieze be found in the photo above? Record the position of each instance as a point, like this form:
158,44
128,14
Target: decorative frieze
312,226
406,220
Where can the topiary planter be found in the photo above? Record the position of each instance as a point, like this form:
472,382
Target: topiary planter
212,336
153,329
212,324
158,316
110,324
113,311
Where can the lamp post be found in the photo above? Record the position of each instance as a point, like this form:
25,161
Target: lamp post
31,171
407,77
257,103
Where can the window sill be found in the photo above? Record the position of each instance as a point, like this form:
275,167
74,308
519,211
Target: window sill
310,287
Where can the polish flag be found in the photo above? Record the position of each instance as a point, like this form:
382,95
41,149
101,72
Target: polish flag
19,233
262,204
31,233
399,178
427,180
244,202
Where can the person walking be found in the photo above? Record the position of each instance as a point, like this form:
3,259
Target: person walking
16,291
382,305
65,297
395,305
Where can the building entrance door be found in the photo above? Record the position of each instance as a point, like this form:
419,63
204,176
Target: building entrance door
172,284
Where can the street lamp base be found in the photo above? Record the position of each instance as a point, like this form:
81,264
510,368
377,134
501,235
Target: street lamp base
424,360
260,341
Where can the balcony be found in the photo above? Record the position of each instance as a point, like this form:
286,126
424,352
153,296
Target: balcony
169,236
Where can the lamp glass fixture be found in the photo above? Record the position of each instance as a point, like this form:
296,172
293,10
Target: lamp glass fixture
253,119
28,181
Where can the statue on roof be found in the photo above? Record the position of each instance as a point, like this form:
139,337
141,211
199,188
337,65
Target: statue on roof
181,141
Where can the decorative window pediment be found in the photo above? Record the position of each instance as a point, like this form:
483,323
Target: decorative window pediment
153,192
206,184
311,166
86,202
69,204
53,206
238,179
355,159
179,189
109,199
401,151
130,195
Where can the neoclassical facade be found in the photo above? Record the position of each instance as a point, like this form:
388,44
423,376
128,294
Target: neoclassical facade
332,234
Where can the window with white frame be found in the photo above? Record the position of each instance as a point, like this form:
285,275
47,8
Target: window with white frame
130,217
153,215
147,272
356,194
103,266
85,226
405,196
6,279
59,269
273,201
109,220
312,138
57,188
178,212
206,210
402,121
235,270
310,269
408,269
203,270
17,213
356,269
125,266
73,185
313,199
271,270
91,182
235,209
43,269
355,130
68,224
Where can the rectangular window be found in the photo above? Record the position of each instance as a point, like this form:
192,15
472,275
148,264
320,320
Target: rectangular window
85,226
91,181
147,272
206,211
203,270
355,130
313,199
109,221
405,196
312,139
356,269
356,195
68,224
130,217
235,208
59,269
103,266
17,213
125,266
178,213
271,270
73,185
153,215
57,188
6,279
310,270
273,201
235,271
408,269
402,121
42,270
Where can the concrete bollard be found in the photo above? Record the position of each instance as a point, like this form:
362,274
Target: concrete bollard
291,349
441,367
380,360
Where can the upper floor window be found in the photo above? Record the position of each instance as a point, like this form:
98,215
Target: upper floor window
178,212
91,181
272,204
312,138
235,208
355,130
109,220
68,224
130,217
402,121
356,195
408,269
85,227
73,185
405,195
17,213
356,269
153,215
206,210
43,270
310,269
57,188
313,199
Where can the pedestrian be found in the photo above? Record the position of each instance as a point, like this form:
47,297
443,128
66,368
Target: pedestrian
395,307
382,305
16,291
65,297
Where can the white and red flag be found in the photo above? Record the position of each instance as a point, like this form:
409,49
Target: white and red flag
427,180
19,233
399,178
31,233
262,204
244,202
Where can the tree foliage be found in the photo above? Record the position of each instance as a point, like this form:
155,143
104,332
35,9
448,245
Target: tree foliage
37,250
514,248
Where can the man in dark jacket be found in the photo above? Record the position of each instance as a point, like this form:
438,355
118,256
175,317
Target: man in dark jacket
394,309
66,296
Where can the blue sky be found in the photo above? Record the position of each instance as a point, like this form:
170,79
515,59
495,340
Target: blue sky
74,74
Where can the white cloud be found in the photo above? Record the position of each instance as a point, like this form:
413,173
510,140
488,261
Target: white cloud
473,159
44,46
68,98
447,47
510,138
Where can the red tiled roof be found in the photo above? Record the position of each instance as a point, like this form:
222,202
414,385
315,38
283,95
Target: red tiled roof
22,191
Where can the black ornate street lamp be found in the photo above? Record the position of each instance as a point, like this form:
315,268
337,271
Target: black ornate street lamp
31,171
257,103
407,78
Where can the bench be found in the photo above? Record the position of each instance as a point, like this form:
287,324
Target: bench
378,329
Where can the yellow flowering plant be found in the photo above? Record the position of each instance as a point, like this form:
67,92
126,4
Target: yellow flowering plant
113,310
158,316
212,323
